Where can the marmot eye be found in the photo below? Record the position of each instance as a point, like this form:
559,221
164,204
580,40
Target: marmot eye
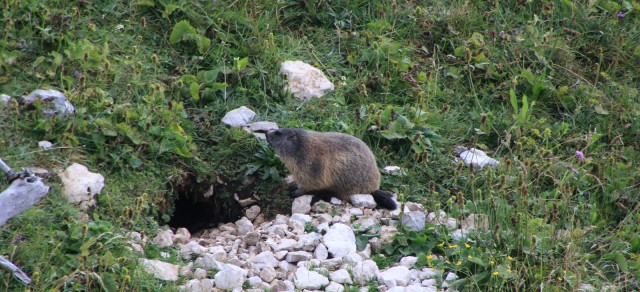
278,133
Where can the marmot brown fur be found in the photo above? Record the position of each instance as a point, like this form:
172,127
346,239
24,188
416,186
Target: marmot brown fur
329,163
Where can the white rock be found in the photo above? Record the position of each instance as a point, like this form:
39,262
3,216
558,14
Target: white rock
301,204
309,241
199,273
253,212
428,273
161,270
334,287
414,220
285,285
239,117
365,223
476,221
321,252
341,276
355,212
363,201
365,271
196,285
297,256
459,234
252,238
305,279
451,277
259,128
391,168
352,258
254,281
335,201
304,80
208,262
395,276
230,277
44,145
57,102
304,218
478,158
340,240
182,236
429,282
387,233
218,252
263,259
586,287
451,223
408,261
81,185
163,239
268,274
244,226
190,249
286,244
4,99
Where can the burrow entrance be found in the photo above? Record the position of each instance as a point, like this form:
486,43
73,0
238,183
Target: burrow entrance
200,205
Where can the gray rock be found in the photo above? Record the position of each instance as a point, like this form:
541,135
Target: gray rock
459,234
429,283
254,281
57,103
334,287
241,116
44,145
395,276
476,221
340,240
305,81
297,256
305,279
196,285
161,270
80,185
5,99
208,262
451,223
163,239
182,236
309,241
301,205
218,252
252,238
252,212
363,201
199,273
341,276
230,277
244,226
302,218
414,220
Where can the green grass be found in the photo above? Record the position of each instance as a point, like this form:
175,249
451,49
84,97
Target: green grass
151,80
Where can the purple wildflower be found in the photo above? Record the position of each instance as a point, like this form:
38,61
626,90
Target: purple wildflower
620,15
580,155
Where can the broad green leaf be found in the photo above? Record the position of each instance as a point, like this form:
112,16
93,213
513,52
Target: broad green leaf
241,64
194,89
181,31
203,43
169,9
514,100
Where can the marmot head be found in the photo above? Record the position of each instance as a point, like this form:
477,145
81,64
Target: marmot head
285,141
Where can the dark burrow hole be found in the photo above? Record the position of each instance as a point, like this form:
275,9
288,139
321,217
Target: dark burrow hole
198,205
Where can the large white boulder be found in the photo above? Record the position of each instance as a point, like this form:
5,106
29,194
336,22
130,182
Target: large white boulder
305,81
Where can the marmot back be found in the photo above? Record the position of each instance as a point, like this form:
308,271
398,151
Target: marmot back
329,163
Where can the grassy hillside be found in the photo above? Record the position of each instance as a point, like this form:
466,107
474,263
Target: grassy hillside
530,82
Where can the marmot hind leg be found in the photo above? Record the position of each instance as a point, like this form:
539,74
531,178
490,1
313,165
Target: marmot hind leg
384,199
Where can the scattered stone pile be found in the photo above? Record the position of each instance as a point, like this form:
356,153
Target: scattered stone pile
313,249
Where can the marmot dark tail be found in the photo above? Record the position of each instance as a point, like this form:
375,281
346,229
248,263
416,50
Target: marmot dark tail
384,199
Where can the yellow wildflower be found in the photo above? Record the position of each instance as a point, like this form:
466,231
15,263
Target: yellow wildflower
458,263
470,257
508,271
429,257
453,246
467,245
441,244
492,262
509,258
495,273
